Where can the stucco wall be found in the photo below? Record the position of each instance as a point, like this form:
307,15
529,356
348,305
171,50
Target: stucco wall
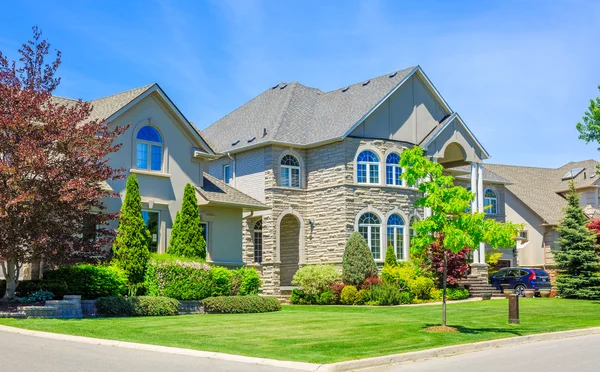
529,253
225,234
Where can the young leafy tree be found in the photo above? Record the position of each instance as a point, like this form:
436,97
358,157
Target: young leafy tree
449,225
589,129
130,247
187,241
52,167
577,257
357,262
390,257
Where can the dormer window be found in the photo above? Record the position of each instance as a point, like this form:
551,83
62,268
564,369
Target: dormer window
290,172
149,149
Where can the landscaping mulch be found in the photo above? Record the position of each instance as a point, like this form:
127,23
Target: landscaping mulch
445,329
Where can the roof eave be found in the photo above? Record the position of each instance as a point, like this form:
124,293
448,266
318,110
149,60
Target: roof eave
452,117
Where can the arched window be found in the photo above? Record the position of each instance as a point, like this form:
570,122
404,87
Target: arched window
367,167
149,147
258,251
290,171
490,202
395,234
393,170
369,226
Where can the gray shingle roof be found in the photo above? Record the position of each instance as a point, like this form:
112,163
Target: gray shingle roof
538,188
296,114
105,107
218,192
464,173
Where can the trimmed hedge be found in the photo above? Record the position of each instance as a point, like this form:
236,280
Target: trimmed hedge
136,306
457,293
89,281
240,304
184,279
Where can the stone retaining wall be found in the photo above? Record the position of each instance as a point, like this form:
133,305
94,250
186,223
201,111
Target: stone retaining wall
190,307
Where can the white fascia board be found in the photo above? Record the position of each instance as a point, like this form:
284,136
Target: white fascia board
453,117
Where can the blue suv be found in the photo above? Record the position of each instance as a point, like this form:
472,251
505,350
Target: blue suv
521,278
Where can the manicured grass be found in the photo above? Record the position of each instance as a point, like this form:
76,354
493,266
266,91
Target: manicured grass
326,334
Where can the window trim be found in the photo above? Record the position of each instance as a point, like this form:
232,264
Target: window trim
149,145
206,231
487,201
397,231
256,244
369,167
227,177
290,169
370,232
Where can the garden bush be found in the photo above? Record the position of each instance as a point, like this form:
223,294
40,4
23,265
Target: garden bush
89,281
336,289
245,281
397,276
348,295
298,297
421,287
221,280
136,306
457,293
390,257
27,287
316,279
387,294
370,281
37,296
241,304
179,279
357,262
326,298
362,297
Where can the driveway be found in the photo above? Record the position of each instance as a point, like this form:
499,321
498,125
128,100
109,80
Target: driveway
576,354
29,353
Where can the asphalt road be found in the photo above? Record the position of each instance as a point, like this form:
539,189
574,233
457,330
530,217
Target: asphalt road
28,353
576,354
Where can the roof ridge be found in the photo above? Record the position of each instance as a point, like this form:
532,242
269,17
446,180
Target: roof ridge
125,91
70,99
373,78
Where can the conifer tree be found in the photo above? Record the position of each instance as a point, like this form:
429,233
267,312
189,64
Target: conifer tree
390,257
187,239
577,256
131,244
357,262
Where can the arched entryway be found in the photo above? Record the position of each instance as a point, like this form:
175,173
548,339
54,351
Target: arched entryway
290,245
289,229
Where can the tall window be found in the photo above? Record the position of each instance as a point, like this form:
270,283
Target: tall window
367,167
393,170
290,171
490,202
149,149
258,238
204,232
395,234
227,173
369,226
152,222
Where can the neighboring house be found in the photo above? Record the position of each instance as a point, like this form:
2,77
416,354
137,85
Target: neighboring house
326,164
535,197
165,151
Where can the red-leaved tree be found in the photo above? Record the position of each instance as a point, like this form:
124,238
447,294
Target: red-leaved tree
53,165
594,225
457,263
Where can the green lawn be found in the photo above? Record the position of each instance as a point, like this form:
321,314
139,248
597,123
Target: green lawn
326,334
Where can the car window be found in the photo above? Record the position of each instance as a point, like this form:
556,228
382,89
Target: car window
523,272
540,272
514,273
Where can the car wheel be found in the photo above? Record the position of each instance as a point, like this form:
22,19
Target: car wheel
520,290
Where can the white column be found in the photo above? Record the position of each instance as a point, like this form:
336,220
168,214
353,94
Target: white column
474,203
406,242
480,206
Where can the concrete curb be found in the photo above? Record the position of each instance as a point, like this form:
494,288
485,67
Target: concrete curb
334,367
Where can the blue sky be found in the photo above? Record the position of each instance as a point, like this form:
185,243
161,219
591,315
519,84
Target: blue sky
520,73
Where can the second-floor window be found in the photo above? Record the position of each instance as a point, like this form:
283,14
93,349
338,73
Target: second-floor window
490,202
149,149
367,167
393,170
290,172
227,173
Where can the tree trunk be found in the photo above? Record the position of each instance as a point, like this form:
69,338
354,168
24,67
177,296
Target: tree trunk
444,290
11,271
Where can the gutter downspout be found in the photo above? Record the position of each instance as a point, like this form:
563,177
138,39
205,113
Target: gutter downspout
233,166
